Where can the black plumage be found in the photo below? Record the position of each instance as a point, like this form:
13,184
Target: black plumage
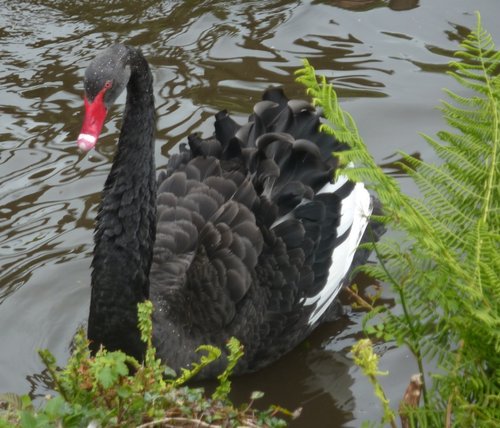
235,238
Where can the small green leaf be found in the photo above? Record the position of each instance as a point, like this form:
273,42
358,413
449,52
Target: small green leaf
106,377
28,420
55,407
256,395
169,372
123,391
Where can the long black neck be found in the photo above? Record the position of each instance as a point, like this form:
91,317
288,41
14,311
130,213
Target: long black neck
126,223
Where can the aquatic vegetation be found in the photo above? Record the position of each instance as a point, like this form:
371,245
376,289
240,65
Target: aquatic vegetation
114,389
445,271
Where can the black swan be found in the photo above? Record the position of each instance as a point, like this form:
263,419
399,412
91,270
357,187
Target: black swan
244,234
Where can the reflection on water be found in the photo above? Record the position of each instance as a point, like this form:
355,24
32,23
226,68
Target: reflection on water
363,5
206,55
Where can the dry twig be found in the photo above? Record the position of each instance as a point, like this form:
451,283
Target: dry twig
411,398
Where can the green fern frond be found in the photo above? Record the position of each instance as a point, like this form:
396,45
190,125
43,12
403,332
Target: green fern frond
445,271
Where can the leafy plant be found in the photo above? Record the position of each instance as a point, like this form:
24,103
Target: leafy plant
445,271
112,389
365,358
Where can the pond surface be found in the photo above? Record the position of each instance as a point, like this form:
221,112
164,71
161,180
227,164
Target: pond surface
387,59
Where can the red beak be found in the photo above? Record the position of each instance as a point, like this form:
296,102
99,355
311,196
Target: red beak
95,113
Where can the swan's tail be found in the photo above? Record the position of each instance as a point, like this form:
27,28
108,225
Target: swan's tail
290,162
293,166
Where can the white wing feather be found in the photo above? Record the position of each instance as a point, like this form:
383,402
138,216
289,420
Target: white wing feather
355,212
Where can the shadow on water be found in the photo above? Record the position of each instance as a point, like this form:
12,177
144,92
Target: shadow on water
387,60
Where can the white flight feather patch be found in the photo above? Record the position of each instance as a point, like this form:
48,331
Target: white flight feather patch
355,211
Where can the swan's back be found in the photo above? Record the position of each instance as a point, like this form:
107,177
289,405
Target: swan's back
253,240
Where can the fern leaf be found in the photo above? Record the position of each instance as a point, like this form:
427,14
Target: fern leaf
445,270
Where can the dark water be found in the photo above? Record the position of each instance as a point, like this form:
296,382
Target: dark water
388,61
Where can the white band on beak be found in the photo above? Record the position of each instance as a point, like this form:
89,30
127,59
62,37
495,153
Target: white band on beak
86,142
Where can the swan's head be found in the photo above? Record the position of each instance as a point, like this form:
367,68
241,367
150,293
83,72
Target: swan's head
105,79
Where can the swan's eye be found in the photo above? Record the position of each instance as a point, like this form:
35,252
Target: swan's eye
108,84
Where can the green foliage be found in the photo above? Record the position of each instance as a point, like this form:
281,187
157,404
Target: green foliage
235,353
212,353
445,270
112,389
365,358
